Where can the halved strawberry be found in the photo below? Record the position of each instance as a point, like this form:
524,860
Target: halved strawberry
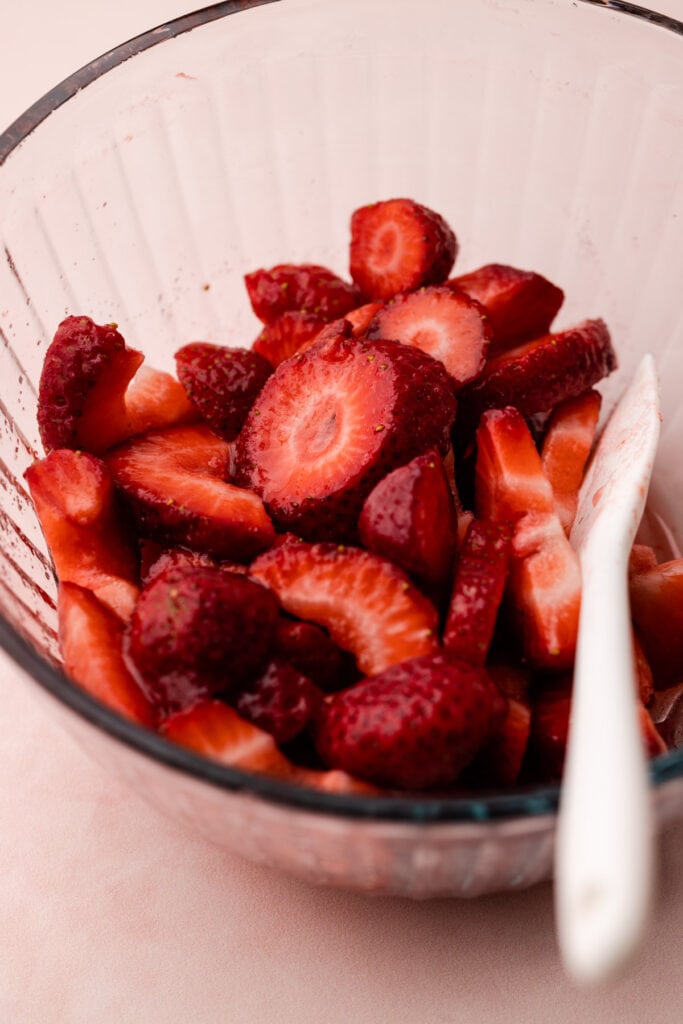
481,573
91,639
366,604
520,304
221,383
86,370
215,730
174,482
281,700
500,760
300,286
447,324
509,474
568,442
197,630
657,609
285,335
414,726
84,526
409,518
332,421
538,375
398,245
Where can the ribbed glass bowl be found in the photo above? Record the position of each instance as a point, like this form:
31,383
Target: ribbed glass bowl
549,133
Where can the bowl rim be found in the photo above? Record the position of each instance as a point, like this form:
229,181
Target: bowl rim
532,801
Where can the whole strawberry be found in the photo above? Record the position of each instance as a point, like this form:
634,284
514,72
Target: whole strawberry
414,726
221,383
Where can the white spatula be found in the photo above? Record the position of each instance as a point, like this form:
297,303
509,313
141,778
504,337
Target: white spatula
604,852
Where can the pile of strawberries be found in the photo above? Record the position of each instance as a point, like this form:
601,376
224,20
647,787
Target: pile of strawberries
342,556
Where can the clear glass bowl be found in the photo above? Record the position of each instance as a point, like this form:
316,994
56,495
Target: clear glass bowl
548,132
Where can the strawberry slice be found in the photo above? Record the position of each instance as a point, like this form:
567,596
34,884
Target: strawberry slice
568,442
398,245
414,726
447,324
520,304
174,482
536,376
361,317
499,762
509,477
91,639
365,603
304,286
657,609
215,730
333,421
285,335
73,494
221,383
409,518
480,575
281,700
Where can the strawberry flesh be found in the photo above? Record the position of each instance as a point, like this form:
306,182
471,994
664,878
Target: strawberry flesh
287,334
509,477
281,700
304,286
398,245
568,442
414,726
222,383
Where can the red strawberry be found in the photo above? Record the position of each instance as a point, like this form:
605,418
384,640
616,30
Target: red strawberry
361,317
222,383
657,610
568,442
91,638
303,286
281,700
409,518
335,781
174,481
311,651
287,334
513,680
509,474
499,762
197,631
538,375
414,726
480,575
164,559
367,605
644,676
398,245
333,421
519,303
73,494
215,730
86,370
447,324
642,557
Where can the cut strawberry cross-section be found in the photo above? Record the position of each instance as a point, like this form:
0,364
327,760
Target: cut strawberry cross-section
221,383
175,484
447,324
509,474
300,286
332,421
398,245
367,605
568,442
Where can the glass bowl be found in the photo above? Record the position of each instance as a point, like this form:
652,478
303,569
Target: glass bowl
549,133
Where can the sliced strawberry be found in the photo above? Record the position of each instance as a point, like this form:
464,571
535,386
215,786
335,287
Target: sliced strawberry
286,335
361,317
178,558
398,245
366,604
538,375
310,650
509,474
447,324
84,526
480,575
520,304
302,286
281,700
409,518
85,372
215,730
568,442
221,383
332,421
545,590
91,639
500,760
174,482
657,610
414,726
642,557
196,631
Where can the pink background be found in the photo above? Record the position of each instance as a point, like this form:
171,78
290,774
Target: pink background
109,914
